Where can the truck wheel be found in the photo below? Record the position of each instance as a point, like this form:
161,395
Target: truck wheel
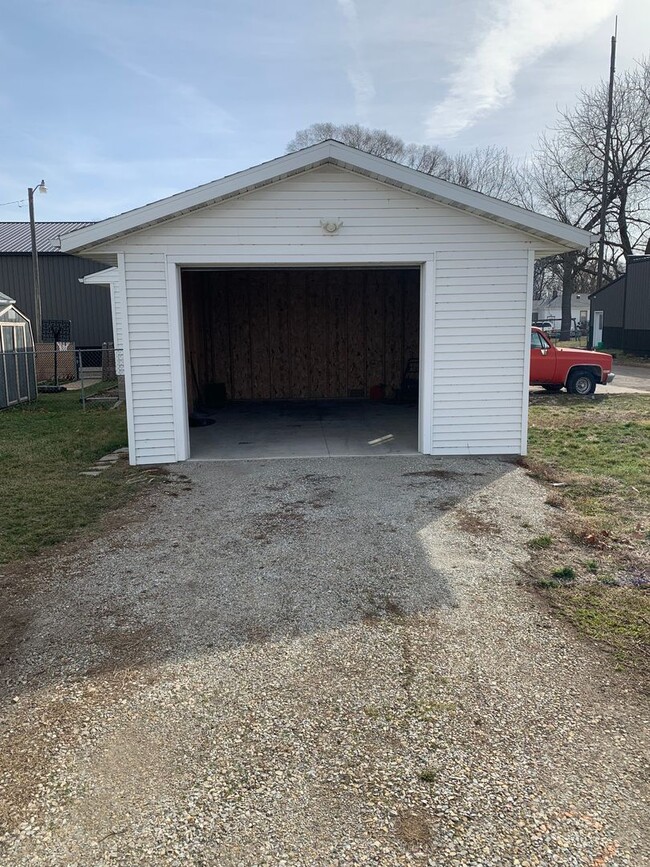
552,388
581,382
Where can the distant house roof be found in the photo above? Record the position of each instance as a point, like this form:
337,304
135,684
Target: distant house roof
16,237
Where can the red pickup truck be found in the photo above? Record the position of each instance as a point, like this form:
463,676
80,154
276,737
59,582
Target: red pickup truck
577,370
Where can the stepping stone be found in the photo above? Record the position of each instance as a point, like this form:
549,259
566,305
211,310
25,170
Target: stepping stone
109,459
123,451
90,473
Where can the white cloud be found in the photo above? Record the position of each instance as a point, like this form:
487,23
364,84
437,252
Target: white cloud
519,33
358,73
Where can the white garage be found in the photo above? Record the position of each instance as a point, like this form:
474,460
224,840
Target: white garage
331,278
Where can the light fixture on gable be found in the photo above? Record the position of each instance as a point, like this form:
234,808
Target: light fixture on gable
331,227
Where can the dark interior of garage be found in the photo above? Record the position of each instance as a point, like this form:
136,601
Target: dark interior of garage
290,334
295,362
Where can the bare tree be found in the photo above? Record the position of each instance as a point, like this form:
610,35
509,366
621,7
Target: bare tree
489,170
430,159
372,141
566,177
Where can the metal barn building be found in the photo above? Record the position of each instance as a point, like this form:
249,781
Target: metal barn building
63,297
319,276
620,311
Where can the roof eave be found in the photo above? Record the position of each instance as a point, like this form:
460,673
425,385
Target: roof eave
100,278
479,204
202,196
565,236
608,285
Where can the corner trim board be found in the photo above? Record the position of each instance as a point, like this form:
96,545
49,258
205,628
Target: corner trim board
177,353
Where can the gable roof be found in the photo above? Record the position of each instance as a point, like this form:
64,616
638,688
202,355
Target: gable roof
336,153
609,285
5,300
637,267
17,238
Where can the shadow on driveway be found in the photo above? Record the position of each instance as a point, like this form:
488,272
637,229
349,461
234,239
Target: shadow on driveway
230,553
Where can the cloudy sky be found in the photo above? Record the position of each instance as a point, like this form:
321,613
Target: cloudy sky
120,102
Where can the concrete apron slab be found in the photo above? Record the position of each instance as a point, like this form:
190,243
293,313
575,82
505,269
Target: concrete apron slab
306,429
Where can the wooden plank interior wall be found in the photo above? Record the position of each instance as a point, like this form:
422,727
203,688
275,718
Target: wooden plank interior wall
280,334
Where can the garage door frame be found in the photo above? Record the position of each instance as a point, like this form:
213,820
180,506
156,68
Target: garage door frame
177,343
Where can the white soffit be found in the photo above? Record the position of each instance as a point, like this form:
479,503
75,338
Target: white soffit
101,278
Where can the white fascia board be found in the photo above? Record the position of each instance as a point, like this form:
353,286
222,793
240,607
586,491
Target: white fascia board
198,197
101,278
565,236
469,200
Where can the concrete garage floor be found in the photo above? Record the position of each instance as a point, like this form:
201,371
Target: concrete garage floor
306,429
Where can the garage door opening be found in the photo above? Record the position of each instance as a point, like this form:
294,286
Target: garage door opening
301,362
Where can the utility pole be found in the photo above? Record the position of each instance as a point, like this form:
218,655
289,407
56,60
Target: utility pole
608,142
38,318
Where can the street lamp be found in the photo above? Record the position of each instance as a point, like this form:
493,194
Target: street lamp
37,279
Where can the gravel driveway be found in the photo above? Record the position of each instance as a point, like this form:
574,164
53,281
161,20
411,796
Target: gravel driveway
314,662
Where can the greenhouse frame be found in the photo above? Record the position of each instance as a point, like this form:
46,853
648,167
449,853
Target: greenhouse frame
17,361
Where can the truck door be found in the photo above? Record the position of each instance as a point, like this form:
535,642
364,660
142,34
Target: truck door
542,359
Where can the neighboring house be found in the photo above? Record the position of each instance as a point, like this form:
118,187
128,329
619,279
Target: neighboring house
552,311
62,295
620,311
317,275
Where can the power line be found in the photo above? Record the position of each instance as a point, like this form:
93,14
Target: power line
16,202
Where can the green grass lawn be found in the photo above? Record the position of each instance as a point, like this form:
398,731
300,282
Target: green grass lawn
43,447
624,358
600,449
620,356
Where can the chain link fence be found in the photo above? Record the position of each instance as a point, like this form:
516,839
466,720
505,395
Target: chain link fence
96,373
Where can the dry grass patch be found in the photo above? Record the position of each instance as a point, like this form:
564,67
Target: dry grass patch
618,616
413,829
474,524
594,456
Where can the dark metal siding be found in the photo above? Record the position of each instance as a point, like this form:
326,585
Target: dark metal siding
63,296
610,301
637,304
612,337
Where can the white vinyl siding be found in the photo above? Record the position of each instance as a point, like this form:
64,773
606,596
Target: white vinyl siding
377,219
481,337
147,323
480,331
118,325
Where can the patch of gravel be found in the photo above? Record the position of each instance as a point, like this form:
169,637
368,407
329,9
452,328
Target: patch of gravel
317,662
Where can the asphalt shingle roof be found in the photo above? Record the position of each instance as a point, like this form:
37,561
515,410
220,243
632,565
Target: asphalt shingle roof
16,238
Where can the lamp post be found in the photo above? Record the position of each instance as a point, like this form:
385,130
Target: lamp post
37,279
